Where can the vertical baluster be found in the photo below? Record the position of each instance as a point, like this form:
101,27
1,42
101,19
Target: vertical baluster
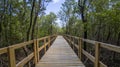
11,52
49,41
45,45
37,46
35,52
73,42
97,52
80,48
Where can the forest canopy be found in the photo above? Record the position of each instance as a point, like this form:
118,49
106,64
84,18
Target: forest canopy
97,20
23,20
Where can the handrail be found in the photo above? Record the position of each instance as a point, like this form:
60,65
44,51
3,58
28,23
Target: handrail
98,45
11,50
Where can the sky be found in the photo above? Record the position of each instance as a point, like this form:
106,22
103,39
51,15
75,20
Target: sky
54,7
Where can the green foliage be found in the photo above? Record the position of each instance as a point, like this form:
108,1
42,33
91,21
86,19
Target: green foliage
67,14
47,25
15,17
101,20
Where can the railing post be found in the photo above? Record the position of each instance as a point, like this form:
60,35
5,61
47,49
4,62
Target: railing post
12,62
73,42
97,52
37,46
80,48
45,45
35,52
68,39
49,41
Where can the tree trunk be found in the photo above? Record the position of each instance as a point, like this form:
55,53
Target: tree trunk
84,20
35,19
0,32
33,27
85,26
29,29
31,19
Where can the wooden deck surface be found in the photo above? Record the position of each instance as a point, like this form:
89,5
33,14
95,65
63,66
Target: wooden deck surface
60,54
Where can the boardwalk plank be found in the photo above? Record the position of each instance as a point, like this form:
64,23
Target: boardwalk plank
60,54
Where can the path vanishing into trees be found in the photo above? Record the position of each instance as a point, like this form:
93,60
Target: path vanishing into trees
60,54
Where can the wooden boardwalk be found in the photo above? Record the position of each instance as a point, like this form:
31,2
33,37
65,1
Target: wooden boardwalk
60,54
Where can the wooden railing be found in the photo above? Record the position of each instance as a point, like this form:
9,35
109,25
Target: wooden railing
34,55
98,45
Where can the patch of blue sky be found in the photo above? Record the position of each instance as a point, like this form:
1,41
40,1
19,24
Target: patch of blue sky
54,7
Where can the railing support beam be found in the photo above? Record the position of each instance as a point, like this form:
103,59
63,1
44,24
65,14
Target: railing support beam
12,62
73,45
37,46
80,48
35,51
45,45
97,53
49,41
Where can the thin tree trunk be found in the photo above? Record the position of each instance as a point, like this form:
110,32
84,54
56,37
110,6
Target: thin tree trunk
29,29
108,36
31,19
33,27
84,20
118,44
85,27
35,19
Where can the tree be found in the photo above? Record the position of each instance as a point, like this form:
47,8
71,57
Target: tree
47,24
67,12
82,7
